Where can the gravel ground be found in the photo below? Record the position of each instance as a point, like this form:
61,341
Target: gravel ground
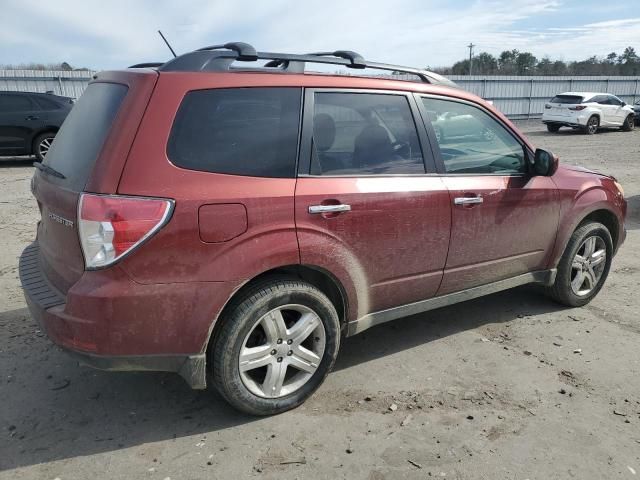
492,388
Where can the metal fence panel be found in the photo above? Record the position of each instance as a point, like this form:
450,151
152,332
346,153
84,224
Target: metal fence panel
61,82
517,97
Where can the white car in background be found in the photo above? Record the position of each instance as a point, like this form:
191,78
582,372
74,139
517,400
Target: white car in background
587,111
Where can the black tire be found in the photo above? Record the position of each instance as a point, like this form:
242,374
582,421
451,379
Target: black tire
239,322
561,291
628,124
553,128
591,128
39,145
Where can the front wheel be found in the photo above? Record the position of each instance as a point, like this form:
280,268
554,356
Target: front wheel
628,124
584,265
276,345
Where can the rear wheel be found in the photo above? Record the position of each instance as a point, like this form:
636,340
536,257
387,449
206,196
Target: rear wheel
276,345
592,125
553,128
42,144
584,265
628,124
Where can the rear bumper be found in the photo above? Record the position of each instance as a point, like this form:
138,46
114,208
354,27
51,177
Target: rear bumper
565,121
110,322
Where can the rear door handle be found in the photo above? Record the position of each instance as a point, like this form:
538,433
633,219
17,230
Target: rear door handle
467,200
315,209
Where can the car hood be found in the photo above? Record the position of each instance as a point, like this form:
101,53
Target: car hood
576,168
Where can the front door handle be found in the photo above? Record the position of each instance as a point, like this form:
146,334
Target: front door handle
467,200
31,117
315,209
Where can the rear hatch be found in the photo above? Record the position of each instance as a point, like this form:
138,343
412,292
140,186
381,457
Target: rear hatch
88,154
562,104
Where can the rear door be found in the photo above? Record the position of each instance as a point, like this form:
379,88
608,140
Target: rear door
366,208
504,220
20,117
92,143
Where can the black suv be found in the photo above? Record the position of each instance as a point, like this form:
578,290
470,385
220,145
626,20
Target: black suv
29,122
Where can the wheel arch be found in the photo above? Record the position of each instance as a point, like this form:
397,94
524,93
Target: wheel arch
319,277
37,133
600,214
608,219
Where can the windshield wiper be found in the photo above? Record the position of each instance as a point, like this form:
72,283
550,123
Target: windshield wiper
48,170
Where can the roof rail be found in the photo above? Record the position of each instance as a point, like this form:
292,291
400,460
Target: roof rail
246,52
147,65
219,58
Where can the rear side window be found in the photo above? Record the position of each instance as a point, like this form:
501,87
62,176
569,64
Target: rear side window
568,99
364,134
78,143
238,131
47,103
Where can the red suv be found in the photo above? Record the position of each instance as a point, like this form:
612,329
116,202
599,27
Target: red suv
232,220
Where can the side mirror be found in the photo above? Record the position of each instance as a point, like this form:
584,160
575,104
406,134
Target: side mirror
545,163
623,104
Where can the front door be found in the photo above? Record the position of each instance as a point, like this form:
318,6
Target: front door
504,221
365,208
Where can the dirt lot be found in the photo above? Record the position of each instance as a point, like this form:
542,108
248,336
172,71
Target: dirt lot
491,389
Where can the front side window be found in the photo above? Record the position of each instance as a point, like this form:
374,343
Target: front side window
238,131
614,101
364,134
473,142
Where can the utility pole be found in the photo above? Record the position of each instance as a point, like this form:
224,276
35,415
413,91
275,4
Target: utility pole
470,47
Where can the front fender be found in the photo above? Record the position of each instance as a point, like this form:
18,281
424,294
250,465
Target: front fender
576,206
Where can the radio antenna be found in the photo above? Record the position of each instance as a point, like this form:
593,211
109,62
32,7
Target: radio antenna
168,45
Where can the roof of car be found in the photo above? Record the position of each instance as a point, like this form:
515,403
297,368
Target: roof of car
583,94
227,57
42,94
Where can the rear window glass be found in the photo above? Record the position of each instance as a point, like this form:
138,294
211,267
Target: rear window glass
238,131
572,99
78,143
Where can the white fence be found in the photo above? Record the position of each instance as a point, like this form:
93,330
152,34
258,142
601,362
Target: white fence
517,97
524,97
61,82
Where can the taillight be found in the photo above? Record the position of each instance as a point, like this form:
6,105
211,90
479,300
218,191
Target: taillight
110,226
578,107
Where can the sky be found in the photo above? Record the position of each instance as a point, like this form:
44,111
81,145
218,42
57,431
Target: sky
420,33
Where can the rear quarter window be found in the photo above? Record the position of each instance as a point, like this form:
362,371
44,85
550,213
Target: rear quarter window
238,131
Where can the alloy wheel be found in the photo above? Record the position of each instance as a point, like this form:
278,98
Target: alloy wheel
282,351
45,145
592,125
588,265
